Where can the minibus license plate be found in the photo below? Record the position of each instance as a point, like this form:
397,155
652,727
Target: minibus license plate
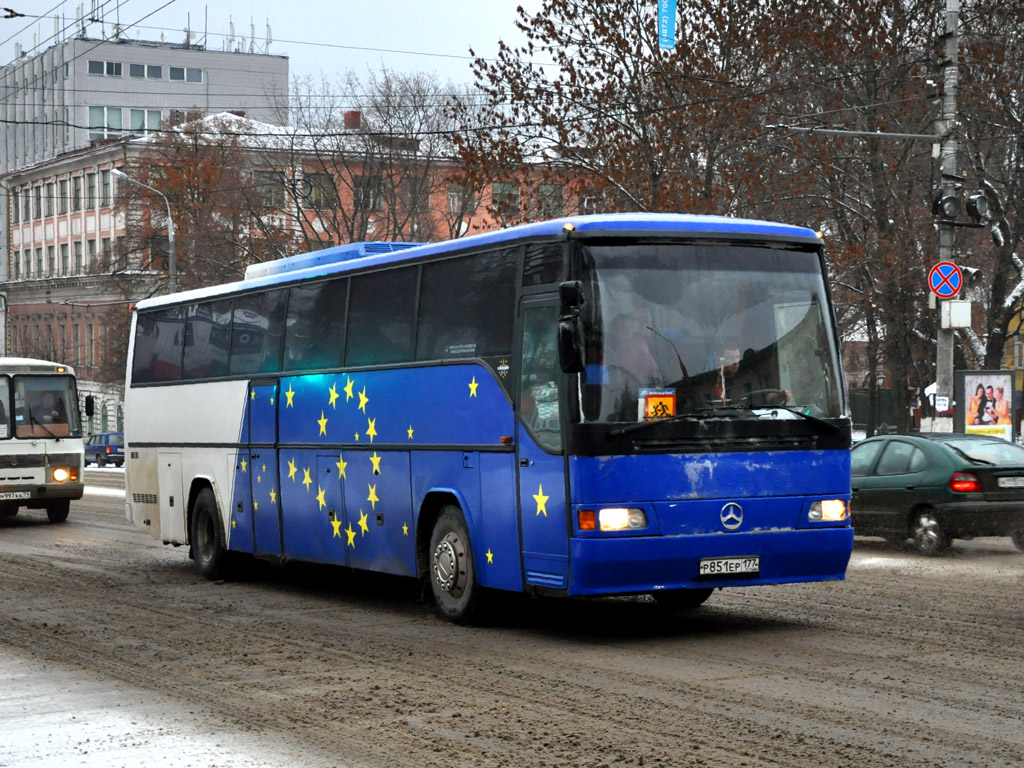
723,566
15,495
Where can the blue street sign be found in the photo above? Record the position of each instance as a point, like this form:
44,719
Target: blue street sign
945,279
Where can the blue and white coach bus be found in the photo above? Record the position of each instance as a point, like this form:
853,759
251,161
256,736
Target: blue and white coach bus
595,405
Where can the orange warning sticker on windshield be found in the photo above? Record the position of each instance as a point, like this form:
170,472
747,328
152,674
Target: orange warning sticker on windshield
657,403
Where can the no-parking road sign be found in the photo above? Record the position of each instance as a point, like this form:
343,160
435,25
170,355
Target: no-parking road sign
945,279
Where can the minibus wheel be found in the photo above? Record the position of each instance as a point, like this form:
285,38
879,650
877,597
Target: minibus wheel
452,571
57,511
206,537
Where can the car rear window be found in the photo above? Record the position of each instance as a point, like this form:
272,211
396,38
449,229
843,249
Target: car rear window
117,439
992,451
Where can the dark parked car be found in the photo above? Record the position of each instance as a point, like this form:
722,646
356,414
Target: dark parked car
105,448
937,487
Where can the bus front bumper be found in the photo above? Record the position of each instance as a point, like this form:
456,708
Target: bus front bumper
629,565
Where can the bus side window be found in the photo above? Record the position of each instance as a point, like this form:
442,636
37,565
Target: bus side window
539,375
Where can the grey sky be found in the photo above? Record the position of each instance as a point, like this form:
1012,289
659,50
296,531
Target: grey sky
319,36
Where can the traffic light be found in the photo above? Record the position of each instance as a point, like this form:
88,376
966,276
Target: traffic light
977,206
947,204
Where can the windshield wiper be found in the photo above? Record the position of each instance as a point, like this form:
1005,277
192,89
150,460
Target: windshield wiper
826,425
32,420
971,458
718,410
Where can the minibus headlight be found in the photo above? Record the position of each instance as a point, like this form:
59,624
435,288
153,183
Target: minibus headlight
621,519
829,510
60,475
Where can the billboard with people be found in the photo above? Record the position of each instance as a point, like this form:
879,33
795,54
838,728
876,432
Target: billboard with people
988,403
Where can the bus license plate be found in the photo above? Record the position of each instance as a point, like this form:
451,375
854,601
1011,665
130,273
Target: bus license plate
723,566
15,495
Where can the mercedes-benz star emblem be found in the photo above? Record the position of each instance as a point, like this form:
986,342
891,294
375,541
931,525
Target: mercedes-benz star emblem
731,516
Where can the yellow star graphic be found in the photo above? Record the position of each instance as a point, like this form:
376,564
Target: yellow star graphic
336,525
288,396
351,536
541,500
259,478
334,395
375,460
371,430
357,437
362,522
410,431
363,400
243,465
273,496
490,557
322,421
341,464
307,480
255,506
348,388
292,469
472,387
264,468
372,498
405,529
234,522
252,394
271,401
320,497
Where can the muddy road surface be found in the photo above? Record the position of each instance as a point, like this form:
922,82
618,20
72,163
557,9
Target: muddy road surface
114,652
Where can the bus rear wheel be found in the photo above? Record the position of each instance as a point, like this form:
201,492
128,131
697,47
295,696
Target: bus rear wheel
681,599
57,511
452,571
208,546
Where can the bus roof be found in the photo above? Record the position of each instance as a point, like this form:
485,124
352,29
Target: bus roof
31,365
357,256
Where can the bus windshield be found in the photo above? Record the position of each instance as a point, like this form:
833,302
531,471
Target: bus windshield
43,406
672,328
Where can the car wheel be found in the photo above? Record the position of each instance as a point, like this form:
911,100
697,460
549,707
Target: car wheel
208,546
681,599
452,571
57,511
100,461
1018,539
929,538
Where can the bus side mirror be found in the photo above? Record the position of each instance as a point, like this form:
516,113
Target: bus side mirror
90,406
570,295
570,345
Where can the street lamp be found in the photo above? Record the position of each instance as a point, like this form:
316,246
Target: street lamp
172,270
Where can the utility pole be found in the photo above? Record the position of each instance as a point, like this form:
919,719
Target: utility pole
946,128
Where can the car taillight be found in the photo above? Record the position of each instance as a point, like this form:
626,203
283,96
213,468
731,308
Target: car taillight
108,449
964,482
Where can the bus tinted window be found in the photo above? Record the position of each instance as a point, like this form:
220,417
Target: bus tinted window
466,306
315,326
543,264
159,339
5,407
256,332
380,320
207,331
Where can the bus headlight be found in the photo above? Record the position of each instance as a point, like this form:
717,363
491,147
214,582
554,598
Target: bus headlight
60,475
621,519
828,510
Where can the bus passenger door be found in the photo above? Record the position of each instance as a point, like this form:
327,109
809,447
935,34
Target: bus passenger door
543,517
263,479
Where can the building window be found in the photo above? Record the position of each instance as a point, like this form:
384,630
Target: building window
90,344
39,262
105,123
143,120
90,191
270,187
320,190
49,199
367,193
505,199
64,258
17,264
62,197
105,189
460,200
76,193
38,203
76,343
549,201
51,261
106,68
189,74
148,71
15,205
78,257
91,253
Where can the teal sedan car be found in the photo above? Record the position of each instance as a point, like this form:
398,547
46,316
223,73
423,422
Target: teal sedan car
935,487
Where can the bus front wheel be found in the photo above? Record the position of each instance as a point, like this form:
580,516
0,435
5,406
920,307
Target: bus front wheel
207,539
681,599
452,571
